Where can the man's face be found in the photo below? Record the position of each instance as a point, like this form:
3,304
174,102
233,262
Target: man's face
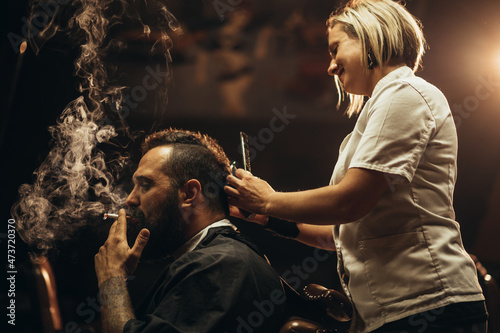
154,204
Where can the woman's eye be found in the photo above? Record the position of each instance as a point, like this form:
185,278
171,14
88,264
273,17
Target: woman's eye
333,52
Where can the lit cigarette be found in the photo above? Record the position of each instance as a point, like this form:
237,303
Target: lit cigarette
112,216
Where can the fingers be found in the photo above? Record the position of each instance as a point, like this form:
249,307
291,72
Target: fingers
236,180
256,218
233,181
101,253
136,251
231,191
241,173
112,229
121,226
140,243
235,212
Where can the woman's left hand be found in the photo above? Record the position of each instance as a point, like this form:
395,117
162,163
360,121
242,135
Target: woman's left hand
248,192
259,219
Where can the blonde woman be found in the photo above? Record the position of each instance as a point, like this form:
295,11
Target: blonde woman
388,209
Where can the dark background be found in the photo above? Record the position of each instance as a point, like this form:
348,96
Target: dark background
464,40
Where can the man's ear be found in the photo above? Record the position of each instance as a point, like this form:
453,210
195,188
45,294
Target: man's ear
190,194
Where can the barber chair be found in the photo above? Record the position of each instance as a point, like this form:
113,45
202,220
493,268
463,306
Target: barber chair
47,296
46,300
316,309
320,310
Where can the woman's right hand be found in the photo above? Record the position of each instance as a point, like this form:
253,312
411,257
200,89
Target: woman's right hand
248,192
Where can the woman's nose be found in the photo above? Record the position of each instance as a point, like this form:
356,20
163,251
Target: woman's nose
332,69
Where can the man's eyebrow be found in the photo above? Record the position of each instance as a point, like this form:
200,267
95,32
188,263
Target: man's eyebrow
141,178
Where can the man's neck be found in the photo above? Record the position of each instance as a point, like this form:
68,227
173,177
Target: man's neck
199,221
193,241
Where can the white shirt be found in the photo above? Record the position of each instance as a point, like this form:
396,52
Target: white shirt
405,256
196,239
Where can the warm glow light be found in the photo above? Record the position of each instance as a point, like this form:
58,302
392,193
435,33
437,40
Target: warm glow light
23,47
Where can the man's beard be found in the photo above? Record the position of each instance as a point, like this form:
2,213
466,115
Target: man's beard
167,232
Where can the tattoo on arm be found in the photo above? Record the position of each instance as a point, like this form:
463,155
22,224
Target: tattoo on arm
115,304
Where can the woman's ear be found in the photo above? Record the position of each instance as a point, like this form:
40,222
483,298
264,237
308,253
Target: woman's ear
372,60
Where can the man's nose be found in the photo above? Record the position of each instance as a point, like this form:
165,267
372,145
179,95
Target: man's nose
332,69
132,199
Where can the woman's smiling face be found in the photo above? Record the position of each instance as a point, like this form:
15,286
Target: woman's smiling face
346,62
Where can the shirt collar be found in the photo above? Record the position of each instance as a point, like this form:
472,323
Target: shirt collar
399,73
196,239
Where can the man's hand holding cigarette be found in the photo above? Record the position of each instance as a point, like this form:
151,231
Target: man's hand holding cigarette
115,257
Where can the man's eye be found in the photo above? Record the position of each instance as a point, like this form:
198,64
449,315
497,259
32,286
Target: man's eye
145,186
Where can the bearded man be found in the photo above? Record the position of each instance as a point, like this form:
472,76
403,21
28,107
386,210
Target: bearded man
217,280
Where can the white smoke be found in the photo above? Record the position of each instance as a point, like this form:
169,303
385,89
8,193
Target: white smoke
76,184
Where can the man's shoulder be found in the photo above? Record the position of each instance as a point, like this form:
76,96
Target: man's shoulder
223,245
222,238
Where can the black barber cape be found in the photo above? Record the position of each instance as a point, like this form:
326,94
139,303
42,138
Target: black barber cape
223,285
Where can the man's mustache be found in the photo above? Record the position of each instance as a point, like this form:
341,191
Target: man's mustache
135,213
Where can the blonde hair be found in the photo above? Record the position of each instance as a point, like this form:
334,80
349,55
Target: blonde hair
386,29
